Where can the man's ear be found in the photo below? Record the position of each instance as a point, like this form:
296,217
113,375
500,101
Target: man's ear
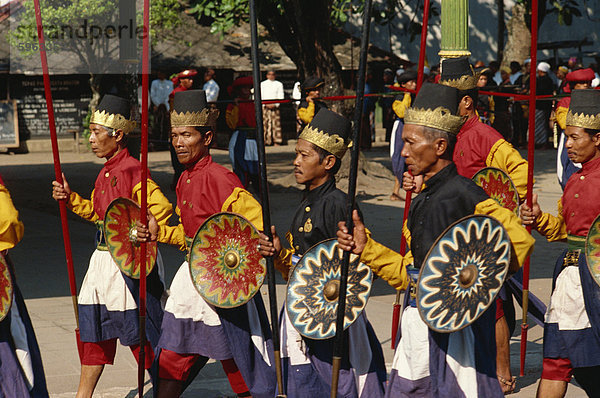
441,144
596,139
208,137
468,101
329,162
119,135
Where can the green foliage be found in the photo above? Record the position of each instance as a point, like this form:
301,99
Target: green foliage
564,10
225,14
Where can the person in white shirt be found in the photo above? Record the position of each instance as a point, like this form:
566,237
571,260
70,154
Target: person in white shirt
159,96
272,89
210,86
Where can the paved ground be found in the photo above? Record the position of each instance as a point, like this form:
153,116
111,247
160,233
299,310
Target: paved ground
41,269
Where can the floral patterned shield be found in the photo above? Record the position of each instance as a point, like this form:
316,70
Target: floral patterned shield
462,273
6,288
313,287
120,231
592,249
225,264
498,185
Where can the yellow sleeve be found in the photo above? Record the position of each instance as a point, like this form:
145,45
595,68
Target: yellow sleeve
506,158
492,106
388,264
84,208
232,115
242,202
522,241
399,107
307,114
283,261
158,204
11,229
552,227
561,116
172,235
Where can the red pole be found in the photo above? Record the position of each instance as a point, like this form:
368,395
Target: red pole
144,192
62,204
423,49
530,160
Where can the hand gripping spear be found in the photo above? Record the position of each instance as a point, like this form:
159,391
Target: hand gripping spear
144,195
338,344
264,194
396,310
530,150
57,169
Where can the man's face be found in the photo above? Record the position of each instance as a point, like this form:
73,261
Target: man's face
186,82
388,78
410,85
581,85
307,167
316,93
209,74
420,154
190,145
102,143
271,75
581,146
482,82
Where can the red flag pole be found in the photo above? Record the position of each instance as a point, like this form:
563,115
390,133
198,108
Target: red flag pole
62,204
144,192
530,161
422,52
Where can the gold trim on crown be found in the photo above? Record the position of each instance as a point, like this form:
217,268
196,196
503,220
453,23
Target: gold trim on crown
465,82
583,120
205,118
333,144
439,118
114,121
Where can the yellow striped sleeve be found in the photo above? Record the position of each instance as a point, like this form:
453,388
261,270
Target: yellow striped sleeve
84,208
172,235
158,204
552,227
400,107
232,116
243,203
506,158
388,264
11,229
522,241
307,114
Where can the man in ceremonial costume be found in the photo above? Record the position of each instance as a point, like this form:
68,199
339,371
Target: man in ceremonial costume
272,89
307,362
21,370
428,363
243,151
310,104
108,308
580,79
194,331
572,328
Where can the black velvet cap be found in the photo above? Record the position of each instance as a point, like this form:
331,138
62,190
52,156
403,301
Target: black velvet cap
407,76
328,130
115,105
458,73
436,106
189,101
584,110
312,82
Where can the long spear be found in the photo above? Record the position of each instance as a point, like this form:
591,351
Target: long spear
422,52
264,195
338,343
144,195
62,204
530,159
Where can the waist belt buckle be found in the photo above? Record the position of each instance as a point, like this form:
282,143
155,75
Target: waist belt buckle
572,258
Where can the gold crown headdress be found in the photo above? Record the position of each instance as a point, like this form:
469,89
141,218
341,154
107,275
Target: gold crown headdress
440,118
583,120
114,121
333,144
465,82
205,118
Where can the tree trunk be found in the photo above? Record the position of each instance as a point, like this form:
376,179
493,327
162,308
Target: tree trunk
518,45
95,87
501,30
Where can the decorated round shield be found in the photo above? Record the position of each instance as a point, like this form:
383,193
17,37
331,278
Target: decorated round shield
120,232
225,264
6,288
313,289
462,273
498,185
592,249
